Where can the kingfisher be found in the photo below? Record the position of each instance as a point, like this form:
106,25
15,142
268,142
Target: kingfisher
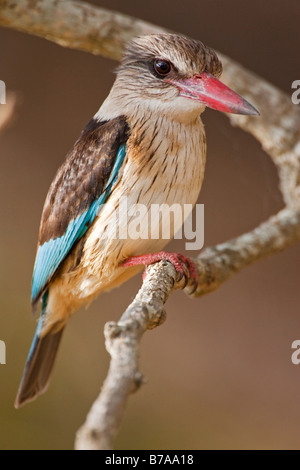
146,143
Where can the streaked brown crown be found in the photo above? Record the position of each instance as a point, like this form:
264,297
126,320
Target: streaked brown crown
188,56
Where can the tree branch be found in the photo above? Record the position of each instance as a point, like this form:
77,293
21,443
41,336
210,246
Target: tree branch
85,27
74,24
217,264
122,341
277,129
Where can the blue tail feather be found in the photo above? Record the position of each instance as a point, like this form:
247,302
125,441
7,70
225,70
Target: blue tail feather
40,361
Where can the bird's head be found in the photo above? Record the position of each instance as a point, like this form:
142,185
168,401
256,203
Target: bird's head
173,75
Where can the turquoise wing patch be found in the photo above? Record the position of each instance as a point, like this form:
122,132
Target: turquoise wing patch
52,253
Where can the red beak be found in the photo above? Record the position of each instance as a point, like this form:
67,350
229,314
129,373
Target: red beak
210,91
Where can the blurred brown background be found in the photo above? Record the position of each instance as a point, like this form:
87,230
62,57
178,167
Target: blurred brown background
220,372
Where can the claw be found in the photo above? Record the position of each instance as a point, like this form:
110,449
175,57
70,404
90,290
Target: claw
193,274
193,289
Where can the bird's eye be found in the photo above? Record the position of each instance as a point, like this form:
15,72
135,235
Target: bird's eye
162,67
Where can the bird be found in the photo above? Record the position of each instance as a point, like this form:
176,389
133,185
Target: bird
146,143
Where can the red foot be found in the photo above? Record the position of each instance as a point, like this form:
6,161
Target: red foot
183,265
